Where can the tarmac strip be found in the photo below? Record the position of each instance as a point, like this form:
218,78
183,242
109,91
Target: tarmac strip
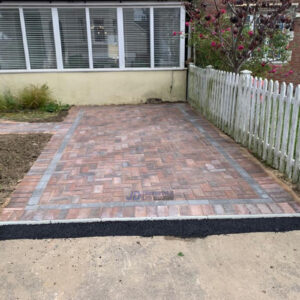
183,227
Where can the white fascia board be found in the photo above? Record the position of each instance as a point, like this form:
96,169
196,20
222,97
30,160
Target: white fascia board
89,4
86,70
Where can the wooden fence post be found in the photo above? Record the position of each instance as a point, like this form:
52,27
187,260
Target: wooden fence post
208,91
241,104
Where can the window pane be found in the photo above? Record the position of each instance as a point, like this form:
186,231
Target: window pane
166,46
136,37
73,37
11,42
104,33
40,40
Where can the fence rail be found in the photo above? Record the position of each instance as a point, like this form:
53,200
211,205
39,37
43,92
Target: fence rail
258,113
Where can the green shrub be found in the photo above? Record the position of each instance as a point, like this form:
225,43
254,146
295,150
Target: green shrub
8,102
51,107
35,97
2,103
206,55
55,107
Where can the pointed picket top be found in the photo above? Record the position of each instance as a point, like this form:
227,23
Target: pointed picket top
283,88
276,87
265,86
290,90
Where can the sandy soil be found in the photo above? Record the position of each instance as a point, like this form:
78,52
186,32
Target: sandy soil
244,266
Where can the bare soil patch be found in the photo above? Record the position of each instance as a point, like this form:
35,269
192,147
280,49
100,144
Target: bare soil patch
17,154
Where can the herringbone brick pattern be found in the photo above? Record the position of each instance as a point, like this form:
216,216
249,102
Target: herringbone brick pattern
141,161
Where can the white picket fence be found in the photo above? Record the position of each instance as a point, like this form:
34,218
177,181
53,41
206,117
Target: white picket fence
258,113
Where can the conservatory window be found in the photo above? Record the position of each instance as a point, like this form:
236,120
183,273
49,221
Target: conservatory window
137,37
73,36
12,54
40,39
104,34
166,45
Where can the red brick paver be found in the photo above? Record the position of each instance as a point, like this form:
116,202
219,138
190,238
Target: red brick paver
141,161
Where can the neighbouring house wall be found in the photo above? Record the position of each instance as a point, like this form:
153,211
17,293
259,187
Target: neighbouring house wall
98,88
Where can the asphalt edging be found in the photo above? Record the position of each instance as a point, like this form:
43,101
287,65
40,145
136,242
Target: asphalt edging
184,228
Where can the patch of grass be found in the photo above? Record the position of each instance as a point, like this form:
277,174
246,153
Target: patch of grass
33,116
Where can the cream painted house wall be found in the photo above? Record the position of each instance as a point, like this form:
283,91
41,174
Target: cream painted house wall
98,88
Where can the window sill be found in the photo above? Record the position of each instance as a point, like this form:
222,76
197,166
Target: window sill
91,70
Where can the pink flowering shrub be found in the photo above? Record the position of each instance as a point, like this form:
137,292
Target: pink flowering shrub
226,37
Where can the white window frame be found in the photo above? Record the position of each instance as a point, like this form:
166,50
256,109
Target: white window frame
120,25
24,37
57,41
89,37
182,38
152,59
120,28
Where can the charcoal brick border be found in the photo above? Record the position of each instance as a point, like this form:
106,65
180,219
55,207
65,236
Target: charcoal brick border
33,202
41,186
260,191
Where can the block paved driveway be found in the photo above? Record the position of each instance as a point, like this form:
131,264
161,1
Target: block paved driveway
141,161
